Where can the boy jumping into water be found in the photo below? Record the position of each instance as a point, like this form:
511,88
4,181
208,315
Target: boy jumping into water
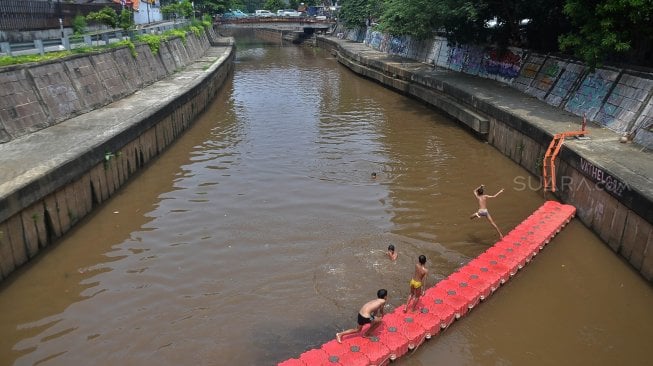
367,315
417,283
482,206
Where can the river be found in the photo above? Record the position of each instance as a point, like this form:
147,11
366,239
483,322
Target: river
261,232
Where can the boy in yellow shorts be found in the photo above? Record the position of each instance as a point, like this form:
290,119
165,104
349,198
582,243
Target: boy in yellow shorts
417,283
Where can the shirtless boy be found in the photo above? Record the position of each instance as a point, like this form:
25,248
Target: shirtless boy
367,315
417,283
391,253
482,206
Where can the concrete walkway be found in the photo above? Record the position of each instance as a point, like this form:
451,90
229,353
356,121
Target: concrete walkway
37,164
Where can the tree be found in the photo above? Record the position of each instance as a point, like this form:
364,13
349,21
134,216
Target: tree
273,5
237,4
409,17
212,7
608,29
358,13
126,20
501,22
79,24
181,9
106,16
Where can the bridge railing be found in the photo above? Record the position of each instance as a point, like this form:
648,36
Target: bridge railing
276,19
41,46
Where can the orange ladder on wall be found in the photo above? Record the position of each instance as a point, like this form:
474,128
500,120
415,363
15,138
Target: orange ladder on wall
548,165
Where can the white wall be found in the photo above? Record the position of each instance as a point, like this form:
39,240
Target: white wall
141,17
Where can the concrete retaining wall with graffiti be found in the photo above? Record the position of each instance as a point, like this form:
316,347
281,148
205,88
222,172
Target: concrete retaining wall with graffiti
618,99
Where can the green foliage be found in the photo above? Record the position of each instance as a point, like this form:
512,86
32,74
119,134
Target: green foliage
186,8
181,9
126,20
170,9
207,21
212,7
238,4
608,27
273,5
197,31
171,33
15,60
356,13
79,24
412,17
152,40
107,16
128,43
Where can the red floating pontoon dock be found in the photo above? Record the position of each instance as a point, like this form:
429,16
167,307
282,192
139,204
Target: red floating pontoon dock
448,300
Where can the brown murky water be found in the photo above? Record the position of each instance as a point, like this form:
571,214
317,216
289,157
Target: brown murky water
260,233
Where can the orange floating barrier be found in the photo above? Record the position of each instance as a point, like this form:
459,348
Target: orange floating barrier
315,356
450,297
344,354
292,362
448,300
406,325
461,288
376,352
396,342
483,284
429,321
437,307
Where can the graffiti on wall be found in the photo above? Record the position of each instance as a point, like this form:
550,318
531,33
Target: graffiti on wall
566,81
627,96
645,120
546,78
593,89
603,180
373,39
504,66
528,72
443,53
398,46
473,62
456,58
560,83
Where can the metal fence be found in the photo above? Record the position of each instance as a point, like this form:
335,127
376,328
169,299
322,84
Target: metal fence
25,15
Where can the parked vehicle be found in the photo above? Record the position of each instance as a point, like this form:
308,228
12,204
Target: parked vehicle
234,14
288,13
263,13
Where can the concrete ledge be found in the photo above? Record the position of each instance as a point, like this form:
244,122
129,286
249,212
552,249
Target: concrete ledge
53,177
400,80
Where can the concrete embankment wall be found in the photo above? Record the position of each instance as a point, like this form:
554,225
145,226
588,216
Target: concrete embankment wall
270,35
614,202
98,149
36,96
620,99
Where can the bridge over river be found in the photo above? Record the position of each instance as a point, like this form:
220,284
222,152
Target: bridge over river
308,25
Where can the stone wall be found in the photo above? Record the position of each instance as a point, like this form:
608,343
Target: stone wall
36,96
35,216
617,98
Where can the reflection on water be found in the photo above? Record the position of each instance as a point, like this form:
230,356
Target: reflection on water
260,233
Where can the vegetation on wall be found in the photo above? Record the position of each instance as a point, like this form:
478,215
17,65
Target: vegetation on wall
152,40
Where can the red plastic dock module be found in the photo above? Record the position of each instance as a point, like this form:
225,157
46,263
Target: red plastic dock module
449,299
